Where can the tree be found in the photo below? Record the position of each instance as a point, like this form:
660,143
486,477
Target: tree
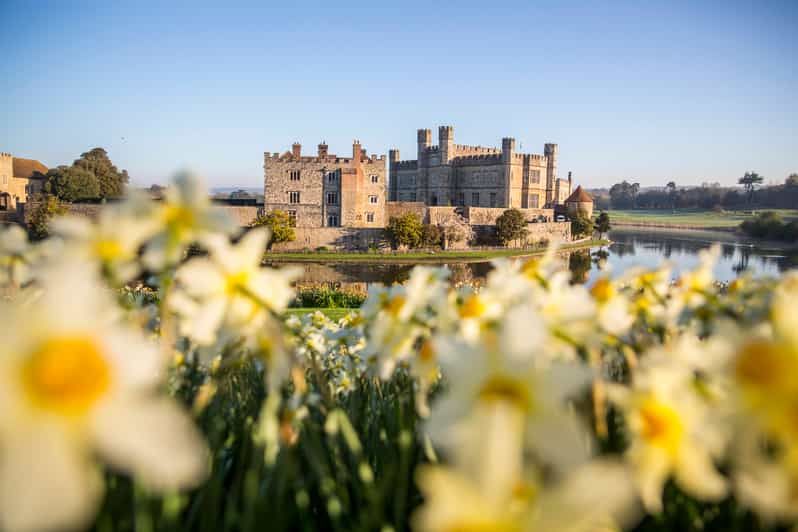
45,208
455,228
431,235
581,225
71,183
112,181
510,226
281,225
671,186
792,180
602,224
405,230
750,180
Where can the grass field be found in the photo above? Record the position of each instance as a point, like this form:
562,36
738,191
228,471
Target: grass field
332,313
692,217
463,255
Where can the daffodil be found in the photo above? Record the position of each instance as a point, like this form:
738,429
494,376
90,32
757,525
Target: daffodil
672,434
185,216
75,387
114,240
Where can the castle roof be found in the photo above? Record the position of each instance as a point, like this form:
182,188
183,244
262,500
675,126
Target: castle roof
28,168
579,196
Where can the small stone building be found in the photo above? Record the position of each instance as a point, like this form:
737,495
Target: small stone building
326,190
579,201
19,179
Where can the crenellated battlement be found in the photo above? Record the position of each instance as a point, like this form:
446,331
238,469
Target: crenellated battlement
485,158
405,165
5,155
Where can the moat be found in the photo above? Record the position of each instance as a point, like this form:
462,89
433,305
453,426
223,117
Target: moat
631,247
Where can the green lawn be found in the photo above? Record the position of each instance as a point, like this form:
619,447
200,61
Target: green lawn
332,313
692,217
460,255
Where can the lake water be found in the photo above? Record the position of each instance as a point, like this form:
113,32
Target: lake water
631,247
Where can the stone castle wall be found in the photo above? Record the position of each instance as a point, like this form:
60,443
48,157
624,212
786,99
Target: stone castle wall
331,188
334,238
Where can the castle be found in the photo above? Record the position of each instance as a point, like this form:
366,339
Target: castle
19,178
325,190
473,176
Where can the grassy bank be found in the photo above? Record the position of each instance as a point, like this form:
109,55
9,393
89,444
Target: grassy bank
691,218
415,257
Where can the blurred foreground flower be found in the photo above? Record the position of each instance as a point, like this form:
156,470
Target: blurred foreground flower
76,386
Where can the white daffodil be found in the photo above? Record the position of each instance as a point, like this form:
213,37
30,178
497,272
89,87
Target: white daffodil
76,386
672,433
694,285
114,240
456,501
613,310
510,367
185,216
230,296
398,316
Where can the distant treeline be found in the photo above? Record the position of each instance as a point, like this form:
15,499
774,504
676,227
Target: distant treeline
627,195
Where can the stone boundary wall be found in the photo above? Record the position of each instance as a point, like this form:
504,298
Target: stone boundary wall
334,238
488,215
485,235
398,208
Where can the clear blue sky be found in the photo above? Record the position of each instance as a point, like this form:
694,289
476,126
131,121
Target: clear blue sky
694,91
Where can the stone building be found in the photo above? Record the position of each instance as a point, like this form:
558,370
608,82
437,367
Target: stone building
456,174
19,178
579,201
326,190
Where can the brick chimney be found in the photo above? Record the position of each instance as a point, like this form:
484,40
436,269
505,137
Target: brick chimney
296,149
357,151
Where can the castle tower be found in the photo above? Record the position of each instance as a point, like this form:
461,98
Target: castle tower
393,159
508,149
323,149
446,143
6,171
550,152
424,142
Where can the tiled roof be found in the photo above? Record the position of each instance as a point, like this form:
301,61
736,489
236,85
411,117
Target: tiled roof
26,168
579,196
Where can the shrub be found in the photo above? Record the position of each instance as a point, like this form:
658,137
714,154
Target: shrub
582,225
405,230
327,297
281,225
47,207
431,236
510,226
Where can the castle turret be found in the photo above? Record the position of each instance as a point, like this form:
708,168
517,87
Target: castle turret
550,152
508,148
393,155
323,149
446,143
296,149
424,142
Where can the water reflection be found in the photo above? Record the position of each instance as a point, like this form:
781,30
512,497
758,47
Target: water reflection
630,248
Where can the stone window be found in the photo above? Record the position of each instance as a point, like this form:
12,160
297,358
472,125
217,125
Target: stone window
533,201
475,199
332,220
332,198
294,175
373,200
461,199
332,177
5,179
375,178
492,199
293,196
412,196
535,174
370,217
292,217
434,200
